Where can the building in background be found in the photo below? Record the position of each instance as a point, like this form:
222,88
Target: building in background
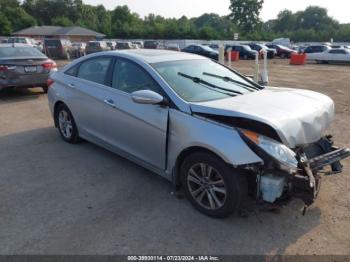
73,33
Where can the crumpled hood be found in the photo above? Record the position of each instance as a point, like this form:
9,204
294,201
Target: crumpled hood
298,116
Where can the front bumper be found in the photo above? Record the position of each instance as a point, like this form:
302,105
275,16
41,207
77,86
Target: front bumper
275,181
306,183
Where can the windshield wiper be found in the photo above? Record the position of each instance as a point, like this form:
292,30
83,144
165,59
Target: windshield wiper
210,85
229,79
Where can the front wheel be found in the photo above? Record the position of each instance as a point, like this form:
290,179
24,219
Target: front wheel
212,186
66,124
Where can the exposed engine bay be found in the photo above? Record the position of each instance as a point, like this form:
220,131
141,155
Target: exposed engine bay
305,181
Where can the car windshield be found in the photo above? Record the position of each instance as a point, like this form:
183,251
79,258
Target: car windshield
206,71
20,52
207,48
247,47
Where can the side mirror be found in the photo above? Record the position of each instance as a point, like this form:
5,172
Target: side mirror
147,97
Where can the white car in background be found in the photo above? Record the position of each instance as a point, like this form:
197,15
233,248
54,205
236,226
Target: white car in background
338,55
25,40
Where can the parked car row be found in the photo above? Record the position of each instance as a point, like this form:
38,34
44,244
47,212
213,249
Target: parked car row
246,51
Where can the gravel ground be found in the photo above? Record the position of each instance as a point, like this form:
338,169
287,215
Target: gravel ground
57,198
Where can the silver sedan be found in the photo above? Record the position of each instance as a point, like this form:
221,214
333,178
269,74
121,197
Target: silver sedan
211,131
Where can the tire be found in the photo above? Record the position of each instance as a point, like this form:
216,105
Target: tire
227,184
245,57
45,89
283,55
68,130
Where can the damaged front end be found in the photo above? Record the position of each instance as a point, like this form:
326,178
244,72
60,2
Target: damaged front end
295,173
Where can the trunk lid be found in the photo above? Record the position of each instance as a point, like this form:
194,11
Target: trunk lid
298,116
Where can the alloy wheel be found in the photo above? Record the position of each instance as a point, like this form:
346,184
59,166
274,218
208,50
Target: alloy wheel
65,124
207,186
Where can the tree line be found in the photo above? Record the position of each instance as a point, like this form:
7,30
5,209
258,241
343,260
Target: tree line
312,24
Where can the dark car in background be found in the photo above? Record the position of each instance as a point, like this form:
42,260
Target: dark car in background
152,44
202,50
22,65
271,53
96,46
282,51
58,48
245,52
124,45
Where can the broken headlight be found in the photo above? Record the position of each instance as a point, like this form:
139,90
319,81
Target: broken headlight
276,150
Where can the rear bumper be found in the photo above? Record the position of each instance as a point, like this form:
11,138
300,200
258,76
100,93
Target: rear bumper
25,81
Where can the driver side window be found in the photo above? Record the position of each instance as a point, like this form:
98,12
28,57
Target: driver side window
129,77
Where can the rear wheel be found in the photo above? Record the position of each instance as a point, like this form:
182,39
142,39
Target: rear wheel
66,124
212,186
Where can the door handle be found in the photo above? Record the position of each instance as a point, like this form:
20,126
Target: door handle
71,85
109,102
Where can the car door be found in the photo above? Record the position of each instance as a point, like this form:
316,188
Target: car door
139,130
189,49
240,50
340,55
333,55
86,87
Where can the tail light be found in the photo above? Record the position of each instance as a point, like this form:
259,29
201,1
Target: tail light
49,82
3,68
49,65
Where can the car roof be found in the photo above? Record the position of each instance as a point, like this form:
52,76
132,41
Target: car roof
14,45
157,56
341,48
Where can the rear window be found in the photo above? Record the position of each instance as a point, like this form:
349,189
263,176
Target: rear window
93,44
150,43
20,52
17,40
53,43
122,45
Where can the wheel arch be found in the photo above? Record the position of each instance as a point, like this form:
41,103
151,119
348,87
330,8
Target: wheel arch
184,154
57,104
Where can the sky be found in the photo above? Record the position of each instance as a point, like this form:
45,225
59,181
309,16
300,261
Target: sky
339,9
